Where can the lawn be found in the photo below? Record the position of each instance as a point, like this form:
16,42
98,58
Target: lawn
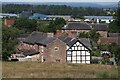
57,70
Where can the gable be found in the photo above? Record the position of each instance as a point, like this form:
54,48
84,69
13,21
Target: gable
78,46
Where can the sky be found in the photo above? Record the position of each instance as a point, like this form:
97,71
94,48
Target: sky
59,0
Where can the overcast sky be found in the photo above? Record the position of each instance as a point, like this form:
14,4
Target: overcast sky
59,0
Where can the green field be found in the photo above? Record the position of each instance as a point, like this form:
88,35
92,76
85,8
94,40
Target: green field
57,70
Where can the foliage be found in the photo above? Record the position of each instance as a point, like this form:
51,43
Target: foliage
75,12
57,24
25,24
92,35
83,35
102,75
115,25
115,49
105,60
43,26
95,61
96,52
9,40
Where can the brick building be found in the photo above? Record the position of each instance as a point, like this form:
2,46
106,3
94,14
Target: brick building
44,47
74,28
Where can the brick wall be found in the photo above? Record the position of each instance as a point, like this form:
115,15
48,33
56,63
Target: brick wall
55,52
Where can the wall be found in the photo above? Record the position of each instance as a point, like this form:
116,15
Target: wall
55,52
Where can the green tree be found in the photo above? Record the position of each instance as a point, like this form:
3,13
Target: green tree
57,24
115,50
25,24
115,25
94,35
9,41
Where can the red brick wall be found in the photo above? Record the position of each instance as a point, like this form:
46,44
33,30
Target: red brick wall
55,51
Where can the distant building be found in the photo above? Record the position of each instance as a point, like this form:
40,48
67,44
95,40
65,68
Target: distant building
4,15
8,22
102,29
99,19
113,38
38,16
74,28
53,17
26,14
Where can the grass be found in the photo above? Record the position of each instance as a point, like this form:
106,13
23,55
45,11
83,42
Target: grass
57,70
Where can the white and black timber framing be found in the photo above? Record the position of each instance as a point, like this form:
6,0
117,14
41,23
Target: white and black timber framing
78,53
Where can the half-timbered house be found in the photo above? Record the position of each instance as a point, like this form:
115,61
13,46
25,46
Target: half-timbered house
78,50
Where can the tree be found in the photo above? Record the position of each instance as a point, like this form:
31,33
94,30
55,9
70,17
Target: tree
94,35
115,25
115,50
57,24
25,24
9,41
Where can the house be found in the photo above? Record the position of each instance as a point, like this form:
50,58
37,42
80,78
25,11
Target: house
47,48
26,14
74,28
44,47
102,29
78,50
8,22
112,38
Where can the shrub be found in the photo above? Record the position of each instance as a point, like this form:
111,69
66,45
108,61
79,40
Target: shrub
102,75
95,61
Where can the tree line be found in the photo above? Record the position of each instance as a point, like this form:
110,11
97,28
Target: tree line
53,10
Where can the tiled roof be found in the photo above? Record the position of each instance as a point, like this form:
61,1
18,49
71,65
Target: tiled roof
39,38
29,53
77,26
70,41
100,27
23,35
114,34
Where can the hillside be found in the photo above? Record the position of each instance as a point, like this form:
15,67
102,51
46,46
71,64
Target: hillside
57,70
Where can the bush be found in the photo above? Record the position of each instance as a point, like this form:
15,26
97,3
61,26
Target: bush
102,75
95,61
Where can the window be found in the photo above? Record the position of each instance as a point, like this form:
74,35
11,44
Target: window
68,58
56,48
57,60
44,59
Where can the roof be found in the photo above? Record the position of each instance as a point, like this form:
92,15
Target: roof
98,17
77,26
70,41
9,22
114,34
23,35
38,16
39,38
110,40
100,27
29,53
